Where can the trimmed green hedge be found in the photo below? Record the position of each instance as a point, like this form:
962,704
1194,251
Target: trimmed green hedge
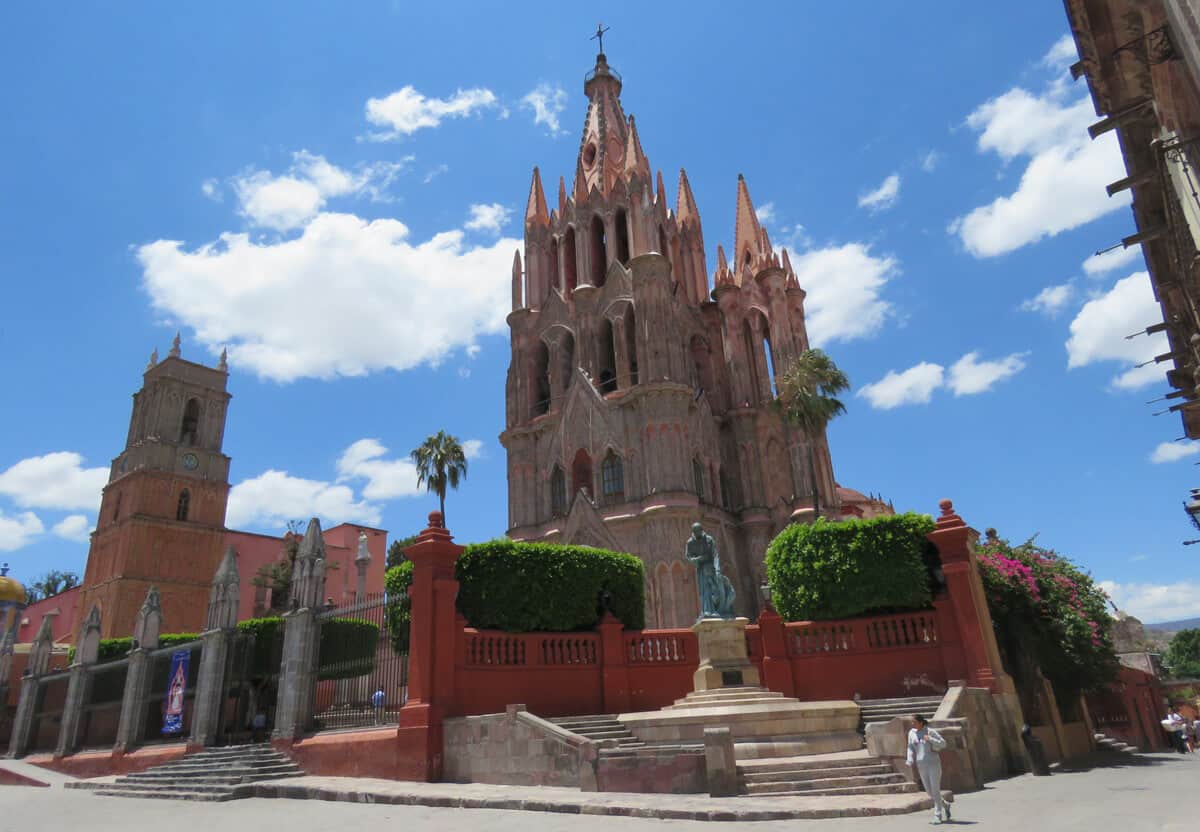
350,644
531,587
841,569
112,649
399,606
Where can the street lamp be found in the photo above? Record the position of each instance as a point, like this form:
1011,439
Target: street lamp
764,592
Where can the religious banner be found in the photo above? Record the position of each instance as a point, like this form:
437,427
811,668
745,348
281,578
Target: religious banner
176,688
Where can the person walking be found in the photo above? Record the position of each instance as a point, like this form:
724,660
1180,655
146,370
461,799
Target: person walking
377,700
924,745
1174,725
258,727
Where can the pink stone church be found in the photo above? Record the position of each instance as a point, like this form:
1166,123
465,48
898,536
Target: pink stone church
638,401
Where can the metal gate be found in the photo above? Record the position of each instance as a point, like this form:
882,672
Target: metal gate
362,666
160,683
253,682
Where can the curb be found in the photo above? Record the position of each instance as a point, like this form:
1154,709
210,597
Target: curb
297,792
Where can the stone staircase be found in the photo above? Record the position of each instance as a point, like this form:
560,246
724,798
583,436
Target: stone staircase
840,773
599,727
1107,743
884,710
215,774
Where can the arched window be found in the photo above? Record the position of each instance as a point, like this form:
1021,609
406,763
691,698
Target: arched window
612,476
621,229
556,264
599,252
541,380
567,357
569,274
191,422
631,344
181,510
558,492
749,343
581,473
698,477
770,355
608,358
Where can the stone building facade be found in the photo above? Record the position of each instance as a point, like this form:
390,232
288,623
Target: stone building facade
162,513
639,401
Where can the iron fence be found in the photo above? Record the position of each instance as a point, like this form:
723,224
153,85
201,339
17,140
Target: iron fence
47,711
159,688
362,664
102,705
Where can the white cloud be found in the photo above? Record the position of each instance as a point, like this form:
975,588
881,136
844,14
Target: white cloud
386,479
913,386
74,527
1098,332
1173,452
1101,264
969,375
1062,186
1051,300
1062,54
382,301
765,212
55,480
883,197
406,111
547,103
473,448
434,172
490,217
211,189
1154,603
274,497
844,285
929,161
287,202
18,531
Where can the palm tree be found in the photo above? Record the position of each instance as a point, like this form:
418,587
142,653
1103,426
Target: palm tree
807,397
440,462
54,582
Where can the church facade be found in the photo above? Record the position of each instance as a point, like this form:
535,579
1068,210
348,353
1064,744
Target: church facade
639,400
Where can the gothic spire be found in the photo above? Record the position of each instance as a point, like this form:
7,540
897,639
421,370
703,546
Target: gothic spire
685,204
562,196
581,186
747,232
516,281
660,192
603,149
535,209
635,158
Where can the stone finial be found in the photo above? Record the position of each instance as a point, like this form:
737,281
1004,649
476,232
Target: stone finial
660,194
635,157
535,208
87,649
685,203
747,231
436,521
223,364
225,593
949,518
175,350
39,651
148,624
153,360
580,185
562,195
364,554
308,571
517,282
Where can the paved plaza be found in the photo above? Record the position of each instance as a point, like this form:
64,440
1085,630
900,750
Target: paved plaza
1145,792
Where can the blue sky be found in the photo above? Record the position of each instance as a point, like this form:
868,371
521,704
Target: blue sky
334,192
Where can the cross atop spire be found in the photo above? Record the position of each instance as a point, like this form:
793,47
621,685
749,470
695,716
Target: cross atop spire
599,36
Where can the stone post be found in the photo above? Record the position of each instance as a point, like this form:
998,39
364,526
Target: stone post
301,632
87,650
955,542
431,652
720,764
219,630
614,665
776,664
131,729
39,660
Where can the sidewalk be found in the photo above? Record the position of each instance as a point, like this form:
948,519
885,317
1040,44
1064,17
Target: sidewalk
573,801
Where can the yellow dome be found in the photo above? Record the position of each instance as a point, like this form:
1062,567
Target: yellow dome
10,588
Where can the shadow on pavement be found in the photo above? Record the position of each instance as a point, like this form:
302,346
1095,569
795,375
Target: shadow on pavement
1103,760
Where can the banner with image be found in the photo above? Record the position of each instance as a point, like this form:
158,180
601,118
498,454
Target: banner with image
176,690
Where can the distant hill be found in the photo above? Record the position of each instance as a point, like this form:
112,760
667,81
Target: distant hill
1175,626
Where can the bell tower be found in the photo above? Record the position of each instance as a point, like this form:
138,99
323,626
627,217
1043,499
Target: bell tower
162,514
640,395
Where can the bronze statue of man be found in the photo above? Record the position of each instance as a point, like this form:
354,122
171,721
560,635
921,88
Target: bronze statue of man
716,592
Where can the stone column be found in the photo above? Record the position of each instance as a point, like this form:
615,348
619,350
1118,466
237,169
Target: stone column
220,624
434,633
79,684
614,665
132,727
39,660
301,631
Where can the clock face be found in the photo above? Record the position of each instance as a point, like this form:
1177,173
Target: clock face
190,462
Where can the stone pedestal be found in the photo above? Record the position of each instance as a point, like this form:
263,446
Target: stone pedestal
724,661
131,729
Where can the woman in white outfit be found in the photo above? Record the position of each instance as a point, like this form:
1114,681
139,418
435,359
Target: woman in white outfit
924,743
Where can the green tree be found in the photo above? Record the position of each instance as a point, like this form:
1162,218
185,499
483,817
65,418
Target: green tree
441,463
54,582
1183,655
395,552
808,391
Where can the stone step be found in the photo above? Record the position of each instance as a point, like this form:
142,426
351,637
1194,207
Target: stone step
794,773
584,719
712,702
605,734
819,784
172,795
891,788
231,780
813,762
903,701
733,690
